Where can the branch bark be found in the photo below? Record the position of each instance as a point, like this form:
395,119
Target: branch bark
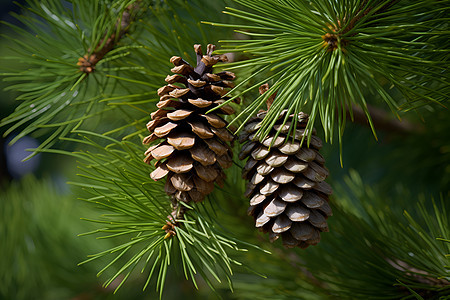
88,62
383,120
336,37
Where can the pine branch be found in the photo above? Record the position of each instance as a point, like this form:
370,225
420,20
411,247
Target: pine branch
382,120
335,55
55,95
59,96
88,62
420,276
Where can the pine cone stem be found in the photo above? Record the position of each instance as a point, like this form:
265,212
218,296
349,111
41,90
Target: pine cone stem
178,212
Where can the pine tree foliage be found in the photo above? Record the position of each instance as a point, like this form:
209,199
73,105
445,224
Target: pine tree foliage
138,216
53,52
329,55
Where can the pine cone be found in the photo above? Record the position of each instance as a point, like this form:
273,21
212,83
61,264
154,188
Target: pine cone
289,197
194,146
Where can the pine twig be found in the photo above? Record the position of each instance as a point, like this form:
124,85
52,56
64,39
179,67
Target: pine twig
382,120
178,212
88,62
360,14
419,275
332,40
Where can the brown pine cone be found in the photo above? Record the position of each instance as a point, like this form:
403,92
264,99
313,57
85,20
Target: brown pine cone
289,197
194,147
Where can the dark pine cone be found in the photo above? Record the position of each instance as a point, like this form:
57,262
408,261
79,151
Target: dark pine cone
289,197
193,146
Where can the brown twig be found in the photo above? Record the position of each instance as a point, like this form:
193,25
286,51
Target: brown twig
334,38
178,212
88,62
419,276
382,120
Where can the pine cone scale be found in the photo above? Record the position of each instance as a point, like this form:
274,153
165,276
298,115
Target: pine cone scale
203,155
162,151
290,194
200,103
206,173
297,213
181,163
282,176
294,165
201,130
281,224
181,140
215,121
159,173
276,159
165,129
264,169
275,208
182,182
216,146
